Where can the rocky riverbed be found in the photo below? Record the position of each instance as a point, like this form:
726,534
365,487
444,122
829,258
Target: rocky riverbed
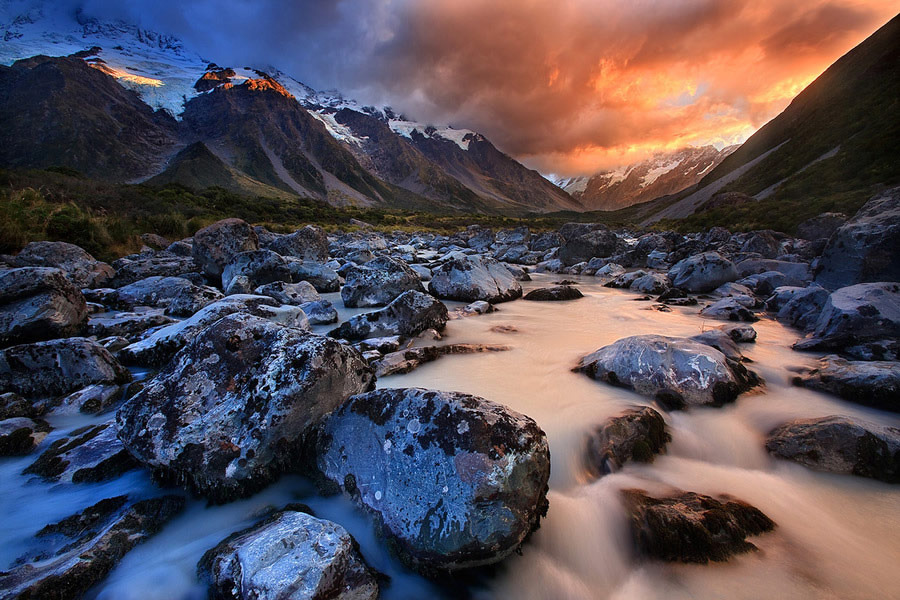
662,415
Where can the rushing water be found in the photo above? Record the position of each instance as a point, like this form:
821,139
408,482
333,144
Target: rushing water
837,536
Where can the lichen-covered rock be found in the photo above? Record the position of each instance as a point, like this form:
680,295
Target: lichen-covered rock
229,412
839,444
320,312
190,300
88,454
131,269
555,293
127,324
153,291
409,315
21,435
454,480
378,282
308,243
693,528
290,555
93,399
214,246
674,371
82,269
57,367
249,270
871,383
471,278
295,294
702,272
78,552
157,348
39,303
638,435
321,276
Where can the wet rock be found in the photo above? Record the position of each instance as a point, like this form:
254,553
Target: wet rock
840,444
479,307
94,399
518,272
134,268
190,300
410,314
471,278
454,480
153,291
702,272
741,293
581,246
13,405
742,333
378,282
80,551
128,325
39,303
322,277
675,371
57,367
21,435
637,435
249,270
405,361
290,555
858,315
624,280
728,309
258,385
422,271
693,528
871,383
722,342
308,243
802,306
87,455
216,245
556,293
82,269
320,312
865,248
157,348
294,294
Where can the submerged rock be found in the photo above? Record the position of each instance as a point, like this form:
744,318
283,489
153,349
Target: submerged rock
88,455
693,528
636,435
409,315
290,555
82,269
404,361
471,278
21,435
871,383
556,293
378,282
229,412
454,480
839,444
39,303
675,371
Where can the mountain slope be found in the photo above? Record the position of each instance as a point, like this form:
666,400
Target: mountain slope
833,146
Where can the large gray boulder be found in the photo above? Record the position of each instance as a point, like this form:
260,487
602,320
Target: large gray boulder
378,282
702,272
249,270
471,278
580,246
82,269
839,444
39,303
214,246
674,371
321,276
871,383
158,347
308,243
290,555
190,300
454,480
803,305
57,367
230,411
865,248
152,264
861,320
154,291
410,314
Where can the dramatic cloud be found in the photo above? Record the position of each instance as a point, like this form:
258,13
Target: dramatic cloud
568,86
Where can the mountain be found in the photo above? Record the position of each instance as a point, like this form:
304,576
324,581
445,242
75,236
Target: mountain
660,175
124,104
832,148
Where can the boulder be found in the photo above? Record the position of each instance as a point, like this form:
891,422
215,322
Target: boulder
556,293
599,243
21,435
378,282
321,276
93,399
153,291
741,293
13,405
290,555
741,332
802,306
409,315
871,383
57,367
229,412
153,264
454,480
294,294
405,361
762,243
840,444
865,248
216,245
693,528
728,309
127,324
675,371
308,243
820,227
320,312
650,283
39,303
722,342
702,272
637,435
78,552
158,347
471,278
249,270
82,269
190,300
795,273
87,455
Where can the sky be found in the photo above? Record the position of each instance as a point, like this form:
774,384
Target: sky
566,86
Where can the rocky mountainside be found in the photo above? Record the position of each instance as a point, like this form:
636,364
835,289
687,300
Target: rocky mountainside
124,104
660,175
